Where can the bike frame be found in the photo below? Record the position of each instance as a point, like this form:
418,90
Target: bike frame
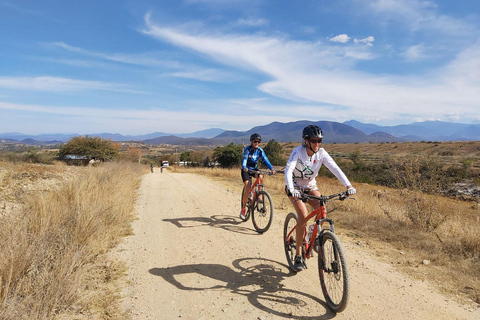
256,187
320,215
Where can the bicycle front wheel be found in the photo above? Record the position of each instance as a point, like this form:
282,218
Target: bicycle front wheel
262,212
290,238
332,268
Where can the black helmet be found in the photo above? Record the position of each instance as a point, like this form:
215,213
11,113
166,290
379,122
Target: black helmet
255,136
312,131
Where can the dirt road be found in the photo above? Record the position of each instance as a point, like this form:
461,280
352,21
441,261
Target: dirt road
192,258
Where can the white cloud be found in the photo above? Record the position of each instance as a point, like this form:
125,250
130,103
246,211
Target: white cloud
342,38
368,41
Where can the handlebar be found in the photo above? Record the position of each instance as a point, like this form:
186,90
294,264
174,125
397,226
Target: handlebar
254,172
341,196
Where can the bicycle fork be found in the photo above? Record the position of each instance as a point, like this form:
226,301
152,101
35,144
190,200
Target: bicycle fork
335,264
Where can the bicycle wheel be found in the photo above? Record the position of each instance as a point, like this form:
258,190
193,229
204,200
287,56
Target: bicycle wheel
333,272
290,242
247,210
262,212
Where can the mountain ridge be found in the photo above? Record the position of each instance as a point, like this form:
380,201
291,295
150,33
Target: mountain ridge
351,131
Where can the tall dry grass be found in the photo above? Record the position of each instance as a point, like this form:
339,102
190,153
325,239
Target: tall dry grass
408,227
53,255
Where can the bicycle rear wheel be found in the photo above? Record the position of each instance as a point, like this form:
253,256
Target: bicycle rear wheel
262,212
290,238
333,271
247,209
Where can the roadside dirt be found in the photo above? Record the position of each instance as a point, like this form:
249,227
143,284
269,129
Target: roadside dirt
192,258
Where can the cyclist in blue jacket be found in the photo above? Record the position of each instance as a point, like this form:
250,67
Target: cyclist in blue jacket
251,155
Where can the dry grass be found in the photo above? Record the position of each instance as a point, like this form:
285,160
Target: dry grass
403,227
53,252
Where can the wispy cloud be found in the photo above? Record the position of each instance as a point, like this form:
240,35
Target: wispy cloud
415,53
138,59
57,84
251,22
419,15
210,75
227,114
326,75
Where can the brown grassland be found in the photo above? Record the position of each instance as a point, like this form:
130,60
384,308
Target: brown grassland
58,224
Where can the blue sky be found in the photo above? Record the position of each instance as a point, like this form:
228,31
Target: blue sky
179,66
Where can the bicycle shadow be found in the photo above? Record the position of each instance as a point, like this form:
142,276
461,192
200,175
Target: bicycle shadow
228,223
268,274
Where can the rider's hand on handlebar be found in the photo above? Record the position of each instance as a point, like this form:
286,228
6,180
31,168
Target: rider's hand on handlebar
295,193
351,191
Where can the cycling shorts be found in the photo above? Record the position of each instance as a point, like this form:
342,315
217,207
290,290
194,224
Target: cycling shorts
247,176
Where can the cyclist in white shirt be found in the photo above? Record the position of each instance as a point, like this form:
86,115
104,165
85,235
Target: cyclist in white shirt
300,172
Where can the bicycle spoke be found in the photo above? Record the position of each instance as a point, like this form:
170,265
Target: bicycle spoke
262,212
333,272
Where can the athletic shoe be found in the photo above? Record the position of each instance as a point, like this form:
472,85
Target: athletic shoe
298,265
242,214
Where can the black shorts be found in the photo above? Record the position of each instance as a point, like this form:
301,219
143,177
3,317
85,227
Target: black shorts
247,176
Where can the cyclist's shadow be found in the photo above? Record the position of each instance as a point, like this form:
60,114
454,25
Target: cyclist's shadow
272,297
216,221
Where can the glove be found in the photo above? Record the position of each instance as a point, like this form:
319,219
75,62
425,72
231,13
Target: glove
295,193
351,191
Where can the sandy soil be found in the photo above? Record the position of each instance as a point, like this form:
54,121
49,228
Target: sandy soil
192,258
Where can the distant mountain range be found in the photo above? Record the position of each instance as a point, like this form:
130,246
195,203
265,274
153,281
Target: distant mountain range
348,132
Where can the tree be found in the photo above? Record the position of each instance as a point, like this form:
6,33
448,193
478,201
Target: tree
133,154
185,156
273,150
228,156
90,148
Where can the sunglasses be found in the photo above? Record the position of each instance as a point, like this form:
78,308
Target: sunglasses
256,141
315,140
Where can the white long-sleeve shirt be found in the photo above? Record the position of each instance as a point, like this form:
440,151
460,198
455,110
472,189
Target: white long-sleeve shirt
301,170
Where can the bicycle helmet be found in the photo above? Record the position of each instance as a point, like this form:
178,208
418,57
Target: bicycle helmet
312,131
255,136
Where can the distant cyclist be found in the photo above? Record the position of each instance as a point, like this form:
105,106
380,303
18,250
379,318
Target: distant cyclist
302,168
251,155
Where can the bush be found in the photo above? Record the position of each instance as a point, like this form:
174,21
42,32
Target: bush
90,148
273,150
228,156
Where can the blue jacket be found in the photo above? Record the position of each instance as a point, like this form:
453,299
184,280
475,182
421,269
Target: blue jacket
250,158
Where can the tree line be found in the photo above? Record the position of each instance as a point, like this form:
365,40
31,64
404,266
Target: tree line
88,148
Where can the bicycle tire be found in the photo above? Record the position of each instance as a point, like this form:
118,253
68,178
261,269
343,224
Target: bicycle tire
290,244
333,273
262,212
247,210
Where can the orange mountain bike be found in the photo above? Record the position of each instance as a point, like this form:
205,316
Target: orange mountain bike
332,262
259,203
